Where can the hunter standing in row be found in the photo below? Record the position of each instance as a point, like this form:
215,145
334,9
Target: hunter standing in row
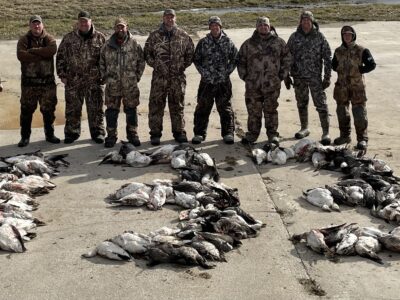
169,51
121,65
35,51
215,58
78,66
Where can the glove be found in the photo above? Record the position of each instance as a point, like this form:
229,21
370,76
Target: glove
326,83
288,82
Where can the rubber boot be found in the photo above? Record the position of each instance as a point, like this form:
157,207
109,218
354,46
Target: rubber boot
25,122
303,132
324,119
112,124
131,126
48,120
343,116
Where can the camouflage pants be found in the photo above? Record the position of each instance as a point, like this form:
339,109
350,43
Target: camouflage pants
357,98
255,108
222,93
174,90
74,98
302,88
31,96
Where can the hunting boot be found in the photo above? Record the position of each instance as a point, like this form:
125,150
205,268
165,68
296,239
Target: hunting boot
112,124
25,122
48,120
324,119
343,116
303,132
361,125
131,126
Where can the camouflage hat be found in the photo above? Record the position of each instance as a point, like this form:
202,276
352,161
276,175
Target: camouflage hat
214,19
169,11
262,20
307,14
120,21
84,15
35,19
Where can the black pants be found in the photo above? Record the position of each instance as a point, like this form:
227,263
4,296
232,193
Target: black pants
222,94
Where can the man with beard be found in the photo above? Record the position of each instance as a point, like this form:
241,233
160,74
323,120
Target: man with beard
78,67
121,65
264,61
35,51
351,61
169,51
310,51
215,58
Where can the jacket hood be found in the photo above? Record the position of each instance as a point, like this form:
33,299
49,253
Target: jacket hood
347,28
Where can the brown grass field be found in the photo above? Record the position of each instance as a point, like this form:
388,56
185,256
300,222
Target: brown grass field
143,15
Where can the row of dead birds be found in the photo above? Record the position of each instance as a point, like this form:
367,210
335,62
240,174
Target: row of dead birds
193,165
367,182
22,178
350,239
203,235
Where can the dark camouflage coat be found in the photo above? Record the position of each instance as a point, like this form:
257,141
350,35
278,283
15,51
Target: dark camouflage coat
36,57
169,54
215,59
78,58
263,63
310,51
121,66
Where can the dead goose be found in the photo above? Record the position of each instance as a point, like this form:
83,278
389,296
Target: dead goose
314,239
391,241
129,188
368,247
113,157
347,245
10,239
207,250
132,242
322,198
108,250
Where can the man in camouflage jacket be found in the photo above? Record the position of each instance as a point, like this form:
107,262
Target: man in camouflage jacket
215,58
264,61
35,51
121,66
310,50
78,66
351,61
169,51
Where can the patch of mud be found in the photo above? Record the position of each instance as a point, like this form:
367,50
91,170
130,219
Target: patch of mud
230,160
193,273
312,287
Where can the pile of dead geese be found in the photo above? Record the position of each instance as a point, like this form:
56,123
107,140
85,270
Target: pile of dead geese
350,239
210,224
367,182
23,178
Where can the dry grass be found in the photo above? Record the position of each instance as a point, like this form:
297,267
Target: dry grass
144,16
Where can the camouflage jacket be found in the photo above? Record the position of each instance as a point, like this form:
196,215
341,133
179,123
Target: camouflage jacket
121,66
169,53
78,58
36,57
263,63
309,52
215,59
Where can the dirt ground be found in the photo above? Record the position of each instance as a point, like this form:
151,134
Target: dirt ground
265,267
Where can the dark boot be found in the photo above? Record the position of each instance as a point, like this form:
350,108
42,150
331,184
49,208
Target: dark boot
25,122
360,122
48,120
131,126
112,124
303,132
324,119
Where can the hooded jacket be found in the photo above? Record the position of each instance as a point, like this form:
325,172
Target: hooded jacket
36,57
263,63
121,66
310,53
